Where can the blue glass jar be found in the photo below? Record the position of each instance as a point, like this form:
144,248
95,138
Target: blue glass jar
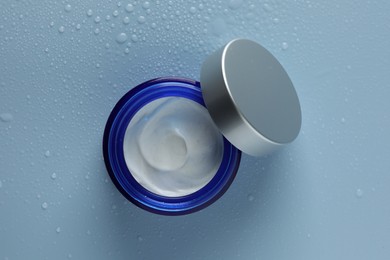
251,101
113,143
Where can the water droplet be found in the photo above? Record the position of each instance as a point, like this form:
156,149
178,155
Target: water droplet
68,8
1,184
44,205
308,235
342,120
89,13
127,50
235,4
69,256
97,19
140,238
126,20
115,13
54,176
251,197
154,25
58,230
78,26
359,193
146,5
219,26
6,117
267,7
108,17
129,8
141,19
97,31
61,29
47,154
134,38
121,38
47,50
192,9
284,46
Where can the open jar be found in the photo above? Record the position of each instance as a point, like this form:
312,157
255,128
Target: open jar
173,146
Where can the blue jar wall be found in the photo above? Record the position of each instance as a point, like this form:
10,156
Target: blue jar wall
64,65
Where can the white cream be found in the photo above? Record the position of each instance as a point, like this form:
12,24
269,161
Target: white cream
172,147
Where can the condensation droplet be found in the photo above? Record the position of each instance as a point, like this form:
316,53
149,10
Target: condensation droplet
251,197
126,20
78,26
267,7
44,205
97,31
61,29
89,13
129,8
235,4
58,230
54,176
141,19
127,50
342,120
121,38
68,8
6,117
284,46
134,38
1,184
115,13
192,9
359,193
219,26
146,5
140,238
97,19
47,154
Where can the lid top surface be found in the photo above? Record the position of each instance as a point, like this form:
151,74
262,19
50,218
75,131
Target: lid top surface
261,90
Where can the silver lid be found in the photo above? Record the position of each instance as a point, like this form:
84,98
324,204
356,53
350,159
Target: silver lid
250,97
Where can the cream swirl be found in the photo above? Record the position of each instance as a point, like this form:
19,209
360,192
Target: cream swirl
172,147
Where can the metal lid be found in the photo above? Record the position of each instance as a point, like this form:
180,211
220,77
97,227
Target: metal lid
250,97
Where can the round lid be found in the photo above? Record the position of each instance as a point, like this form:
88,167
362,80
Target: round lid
250,97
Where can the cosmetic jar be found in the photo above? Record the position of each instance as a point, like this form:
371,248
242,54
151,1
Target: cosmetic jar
173,145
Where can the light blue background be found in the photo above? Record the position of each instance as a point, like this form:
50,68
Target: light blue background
326,196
